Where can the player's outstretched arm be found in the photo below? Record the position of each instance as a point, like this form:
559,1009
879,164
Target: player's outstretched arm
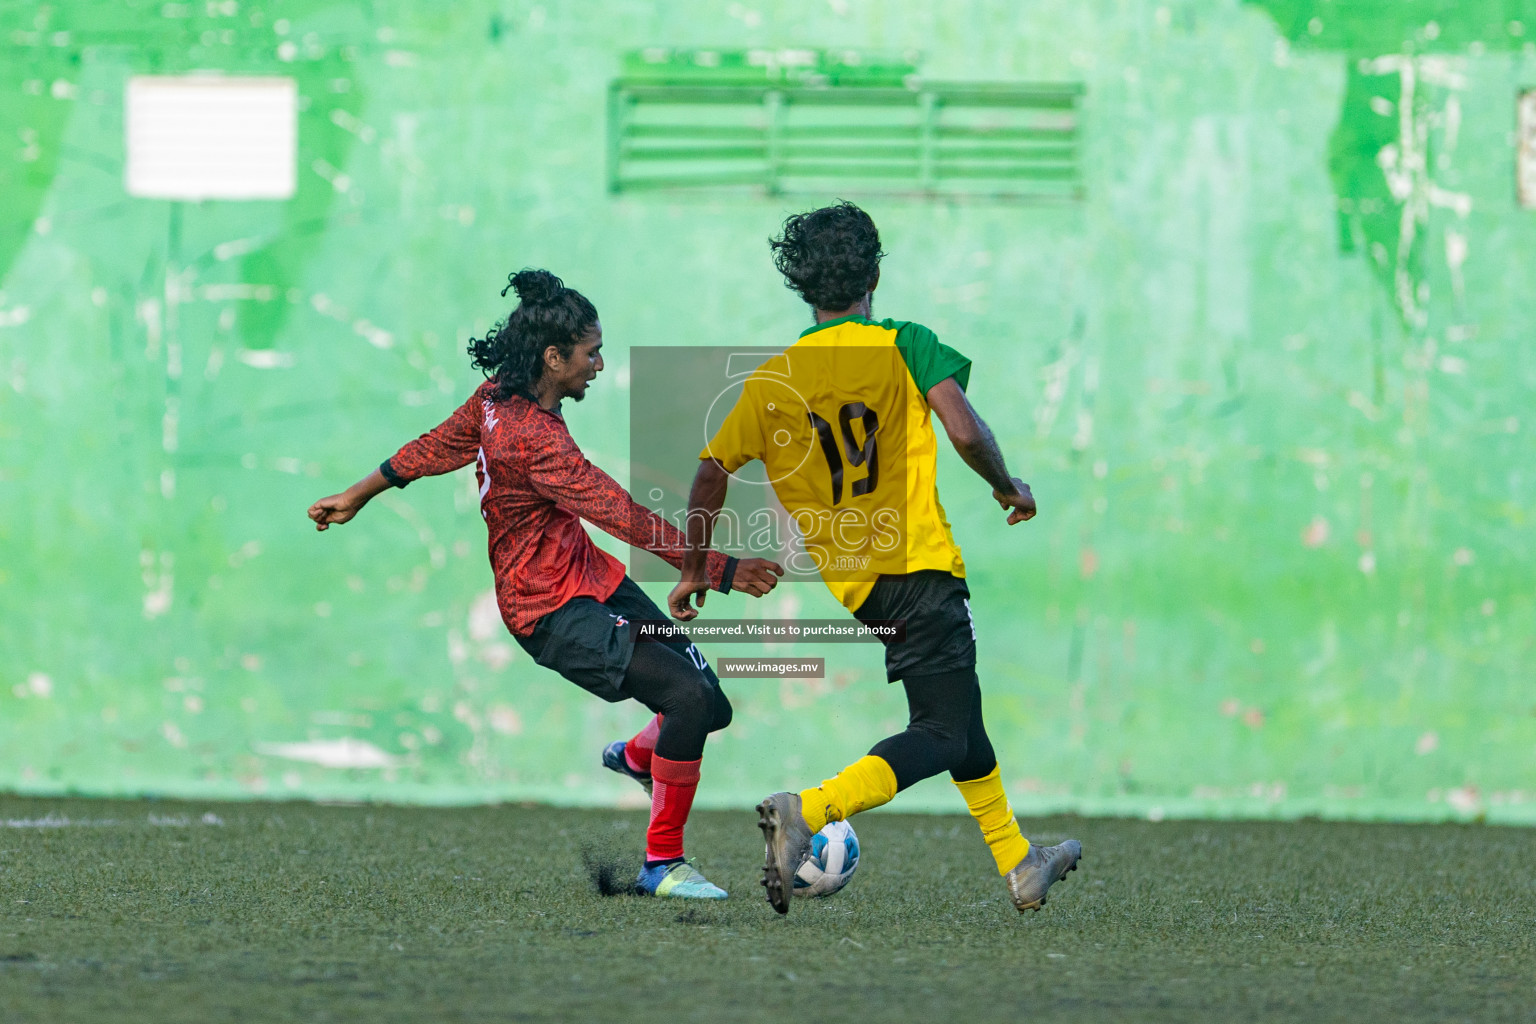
339,508
975,444
705,499
559,471
450,445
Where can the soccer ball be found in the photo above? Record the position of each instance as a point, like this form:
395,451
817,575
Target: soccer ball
834,856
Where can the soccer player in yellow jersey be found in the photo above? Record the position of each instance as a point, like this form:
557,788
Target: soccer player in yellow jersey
841,422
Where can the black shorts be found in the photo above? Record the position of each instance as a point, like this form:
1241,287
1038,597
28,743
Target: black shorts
590,642
940,635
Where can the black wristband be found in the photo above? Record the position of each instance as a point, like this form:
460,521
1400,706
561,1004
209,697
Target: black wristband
389,474
727,575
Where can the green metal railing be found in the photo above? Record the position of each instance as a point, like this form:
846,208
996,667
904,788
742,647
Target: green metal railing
869,128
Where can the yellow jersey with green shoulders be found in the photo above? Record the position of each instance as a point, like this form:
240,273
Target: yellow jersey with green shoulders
841,423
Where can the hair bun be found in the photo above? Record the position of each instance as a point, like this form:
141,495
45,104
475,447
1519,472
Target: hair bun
535,287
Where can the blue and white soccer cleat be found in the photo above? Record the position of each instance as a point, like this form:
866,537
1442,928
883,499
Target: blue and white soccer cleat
679,880
615,761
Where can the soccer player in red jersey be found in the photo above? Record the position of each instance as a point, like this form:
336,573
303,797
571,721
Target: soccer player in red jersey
568,603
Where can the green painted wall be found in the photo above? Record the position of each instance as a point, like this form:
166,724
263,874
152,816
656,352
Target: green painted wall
1271,387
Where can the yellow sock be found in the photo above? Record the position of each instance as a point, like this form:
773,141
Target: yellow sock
989,806
868,782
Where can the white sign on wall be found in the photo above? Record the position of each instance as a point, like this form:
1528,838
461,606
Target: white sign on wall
211,137
1525,152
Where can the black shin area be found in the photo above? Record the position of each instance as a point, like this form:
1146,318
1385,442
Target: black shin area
979,758
690,701
944,730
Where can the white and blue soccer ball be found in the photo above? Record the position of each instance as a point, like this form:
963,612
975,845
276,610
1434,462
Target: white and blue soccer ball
834,856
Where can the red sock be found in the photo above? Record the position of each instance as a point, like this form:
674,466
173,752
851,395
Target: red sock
673,786
638,751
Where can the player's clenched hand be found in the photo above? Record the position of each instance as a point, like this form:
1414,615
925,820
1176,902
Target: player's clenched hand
338,508
756,576
677,601
1021,504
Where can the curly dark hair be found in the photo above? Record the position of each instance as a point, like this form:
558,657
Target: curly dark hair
548,313
831,256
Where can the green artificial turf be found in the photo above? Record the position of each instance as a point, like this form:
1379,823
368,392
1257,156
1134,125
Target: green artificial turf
151,912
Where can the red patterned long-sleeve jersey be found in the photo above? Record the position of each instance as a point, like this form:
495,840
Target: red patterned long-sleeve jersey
535,488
